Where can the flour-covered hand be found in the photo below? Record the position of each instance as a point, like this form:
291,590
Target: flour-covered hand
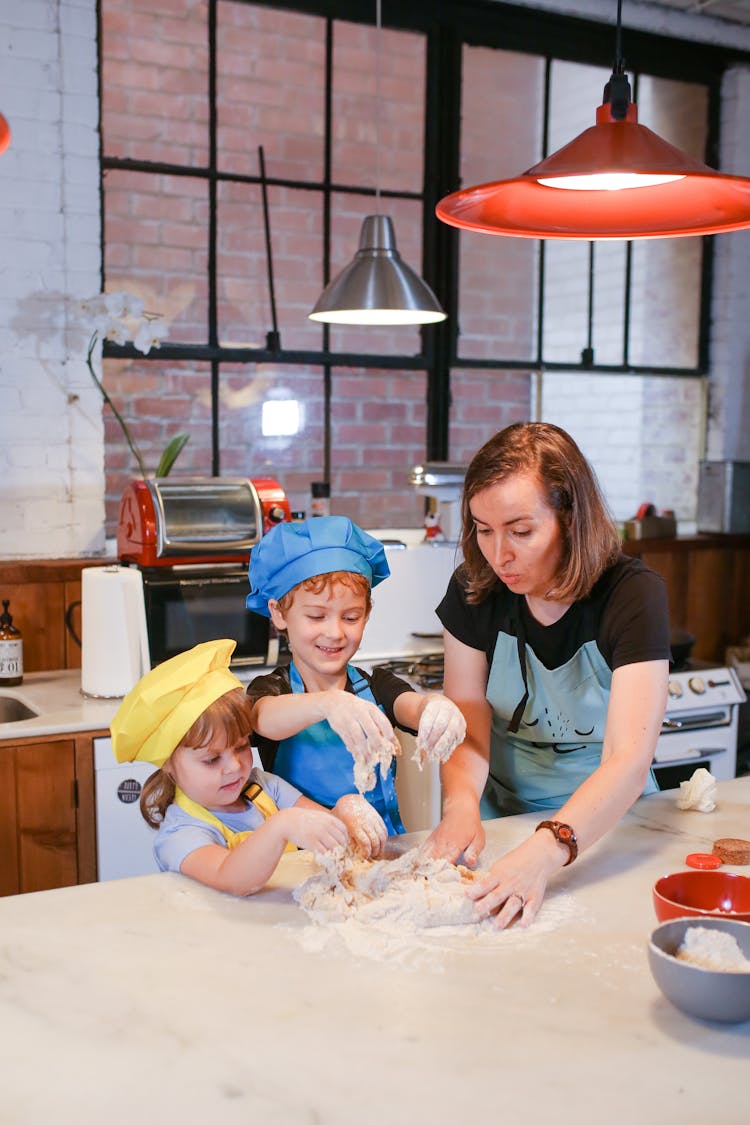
366,733
442,728
314,829
367,830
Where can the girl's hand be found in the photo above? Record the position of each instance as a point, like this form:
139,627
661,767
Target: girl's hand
460,833
515,885
442,728
316,830
366,826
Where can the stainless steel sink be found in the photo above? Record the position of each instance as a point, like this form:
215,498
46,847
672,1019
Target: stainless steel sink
13,710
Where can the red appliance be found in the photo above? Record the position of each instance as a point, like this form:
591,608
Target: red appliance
169,521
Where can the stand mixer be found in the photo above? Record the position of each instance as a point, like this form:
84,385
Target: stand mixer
443,483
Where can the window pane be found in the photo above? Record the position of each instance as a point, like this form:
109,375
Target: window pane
242,267
270,91
665,323
378,421
155,239
355,108
157,400
155,88
498,275
483,402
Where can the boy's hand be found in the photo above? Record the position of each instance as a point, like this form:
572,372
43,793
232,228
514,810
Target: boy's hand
442,728
317,830
366,826
361,726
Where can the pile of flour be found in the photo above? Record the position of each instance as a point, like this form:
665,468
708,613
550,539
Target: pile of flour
413,891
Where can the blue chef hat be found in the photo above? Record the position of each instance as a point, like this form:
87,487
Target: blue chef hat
292,552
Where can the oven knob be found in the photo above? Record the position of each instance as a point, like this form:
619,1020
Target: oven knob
276,514
675,689
696,684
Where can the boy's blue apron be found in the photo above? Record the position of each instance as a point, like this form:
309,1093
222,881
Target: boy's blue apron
318,763
539,755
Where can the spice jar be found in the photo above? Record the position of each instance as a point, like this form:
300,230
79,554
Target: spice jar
11,650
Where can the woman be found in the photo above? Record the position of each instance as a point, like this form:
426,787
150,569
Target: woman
557,652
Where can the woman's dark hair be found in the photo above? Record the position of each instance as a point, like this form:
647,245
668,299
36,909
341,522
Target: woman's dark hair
590,539
226,720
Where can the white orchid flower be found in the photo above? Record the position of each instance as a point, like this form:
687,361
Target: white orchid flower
149,335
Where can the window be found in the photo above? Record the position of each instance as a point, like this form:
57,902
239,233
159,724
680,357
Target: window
195,95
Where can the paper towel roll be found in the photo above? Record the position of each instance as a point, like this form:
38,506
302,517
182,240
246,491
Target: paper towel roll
114,638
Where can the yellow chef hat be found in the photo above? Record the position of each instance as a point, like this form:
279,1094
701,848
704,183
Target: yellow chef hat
161,708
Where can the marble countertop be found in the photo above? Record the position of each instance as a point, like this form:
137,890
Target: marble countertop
59,705
155,997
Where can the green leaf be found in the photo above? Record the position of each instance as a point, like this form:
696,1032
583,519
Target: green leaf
171,453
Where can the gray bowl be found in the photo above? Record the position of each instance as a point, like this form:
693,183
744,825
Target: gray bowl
709,994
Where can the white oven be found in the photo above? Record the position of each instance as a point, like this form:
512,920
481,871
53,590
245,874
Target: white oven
700,726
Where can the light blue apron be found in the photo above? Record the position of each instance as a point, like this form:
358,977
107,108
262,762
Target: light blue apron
318,763
544,747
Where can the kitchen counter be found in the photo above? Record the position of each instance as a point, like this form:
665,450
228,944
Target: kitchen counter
60,707
159,997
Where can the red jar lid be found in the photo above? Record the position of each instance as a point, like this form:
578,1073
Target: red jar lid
703,860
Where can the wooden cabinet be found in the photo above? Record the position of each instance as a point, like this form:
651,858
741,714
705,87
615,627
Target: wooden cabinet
708,582
45,601
47,817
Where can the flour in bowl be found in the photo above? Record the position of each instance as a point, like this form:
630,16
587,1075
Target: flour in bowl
712,949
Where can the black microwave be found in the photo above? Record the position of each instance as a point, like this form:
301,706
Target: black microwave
186,605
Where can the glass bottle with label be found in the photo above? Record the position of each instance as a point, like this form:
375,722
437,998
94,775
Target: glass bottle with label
11,650
320,498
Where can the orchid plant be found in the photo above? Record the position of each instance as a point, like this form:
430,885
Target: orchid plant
121,318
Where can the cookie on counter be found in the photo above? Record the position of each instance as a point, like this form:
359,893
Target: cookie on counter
732,850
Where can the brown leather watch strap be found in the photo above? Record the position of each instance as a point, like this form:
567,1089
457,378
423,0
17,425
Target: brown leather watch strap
564,834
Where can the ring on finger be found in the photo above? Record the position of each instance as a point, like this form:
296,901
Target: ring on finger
519,896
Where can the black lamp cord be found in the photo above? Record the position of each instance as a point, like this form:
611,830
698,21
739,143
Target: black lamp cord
617,91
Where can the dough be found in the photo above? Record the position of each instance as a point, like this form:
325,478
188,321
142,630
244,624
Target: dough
412,892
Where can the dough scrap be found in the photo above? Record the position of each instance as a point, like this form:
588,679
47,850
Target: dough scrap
412,892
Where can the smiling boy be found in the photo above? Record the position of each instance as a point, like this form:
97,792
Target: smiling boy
323,724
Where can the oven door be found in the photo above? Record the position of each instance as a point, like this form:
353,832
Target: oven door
690,740
188,605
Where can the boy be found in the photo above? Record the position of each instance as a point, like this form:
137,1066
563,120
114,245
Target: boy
321,723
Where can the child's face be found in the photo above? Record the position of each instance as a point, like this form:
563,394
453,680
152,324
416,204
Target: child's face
325,630
214,776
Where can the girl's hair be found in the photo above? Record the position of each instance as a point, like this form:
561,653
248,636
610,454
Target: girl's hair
357,583
590,539
227,720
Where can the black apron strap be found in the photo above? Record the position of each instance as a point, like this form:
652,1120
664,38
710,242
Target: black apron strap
515,722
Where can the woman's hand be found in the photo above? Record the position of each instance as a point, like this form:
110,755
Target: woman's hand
315,829
460,834
366,826
515,885
442,728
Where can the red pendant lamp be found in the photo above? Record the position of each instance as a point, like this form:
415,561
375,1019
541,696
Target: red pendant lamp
618,179
4,134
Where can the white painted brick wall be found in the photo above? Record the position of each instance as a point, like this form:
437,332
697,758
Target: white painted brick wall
51,434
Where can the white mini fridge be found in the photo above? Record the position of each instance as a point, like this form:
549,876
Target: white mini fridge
124,842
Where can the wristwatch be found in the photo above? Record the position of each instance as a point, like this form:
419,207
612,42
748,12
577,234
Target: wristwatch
564,834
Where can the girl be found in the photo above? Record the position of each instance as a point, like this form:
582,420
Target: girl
220,820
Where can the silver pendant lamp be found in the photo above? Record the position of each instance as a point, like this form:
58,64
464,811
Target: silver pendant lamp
377,287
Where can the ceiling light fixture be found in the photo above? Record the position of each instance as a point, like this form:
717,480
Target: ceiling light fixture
617,179
377,287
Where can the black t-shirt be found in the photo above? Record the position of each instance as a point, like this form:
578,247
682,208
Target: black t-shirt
626,613
384,684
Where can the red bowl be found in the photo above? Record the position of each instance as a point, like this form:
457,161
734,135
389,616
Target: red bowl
700,894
